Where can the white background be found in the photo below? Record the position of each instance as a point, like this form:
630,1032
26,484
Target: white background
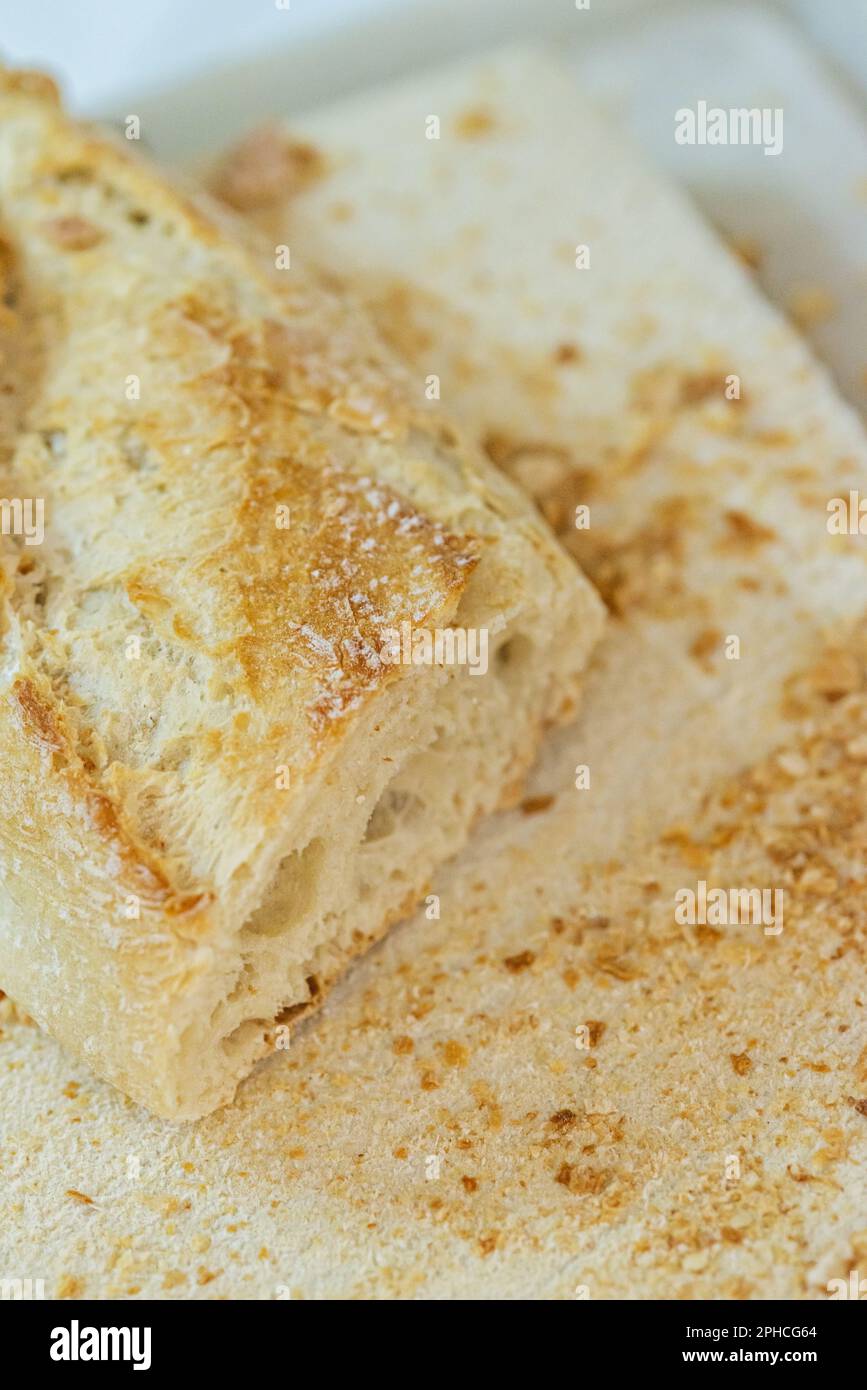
109,51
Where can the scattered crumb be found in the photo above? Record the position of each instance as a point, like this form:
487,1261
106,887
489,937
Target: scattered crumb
265,168
520,962
705,644
810,305
455,1054
70,1286
746,531
79,1196
474,122
567,354
836,674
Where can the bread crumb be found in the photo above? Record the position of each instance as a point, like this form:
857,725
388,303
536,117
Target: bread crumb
455,1054
474,122
836,674
522,961
745,531
810,305
706,643
265,168
70,1286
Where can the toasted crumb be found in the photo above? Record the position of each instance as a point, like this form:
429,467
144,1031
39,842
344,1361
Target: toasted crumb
836,674
810,305
705,644
474,122
742,1062
79,1196
532,805
731,1236
567,354
265,168
70,1286
611,964
522,961
455,1054
584,1181
744,530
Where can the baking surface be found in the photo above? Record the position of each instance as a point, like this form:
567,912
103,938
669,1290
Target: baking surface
554,1090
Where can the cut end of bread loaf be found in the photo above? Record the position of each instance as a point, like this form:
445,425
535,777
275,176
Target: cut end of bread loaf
225,773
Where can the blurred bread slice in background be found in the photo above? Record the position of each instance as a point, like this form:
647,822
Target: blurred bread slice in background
616,361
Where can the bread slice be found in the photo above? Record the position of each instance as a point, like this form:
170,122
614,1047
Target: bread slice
599,344
440,1132
219,781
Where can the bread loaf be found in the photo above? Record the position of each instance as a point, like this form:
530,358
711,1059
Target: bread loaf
247,702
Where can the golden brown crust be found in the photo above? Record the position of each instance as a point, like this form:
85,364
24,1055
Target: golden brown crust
235,385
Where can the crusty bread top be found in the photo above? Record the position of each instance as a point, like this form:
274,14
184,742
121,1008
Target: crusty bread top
166,398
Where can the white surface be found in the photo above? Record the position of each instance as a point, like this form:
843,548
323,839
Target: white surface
109,54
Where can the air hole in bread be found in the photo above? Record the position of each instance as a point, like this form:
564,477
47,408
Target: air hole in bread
251,1030
394,807
512,658
297,889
